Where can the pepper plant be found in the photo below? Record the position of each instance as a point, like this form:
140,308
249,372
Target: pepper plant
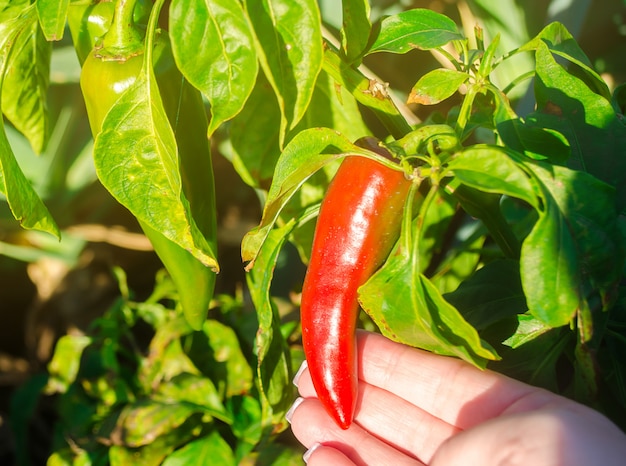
510,253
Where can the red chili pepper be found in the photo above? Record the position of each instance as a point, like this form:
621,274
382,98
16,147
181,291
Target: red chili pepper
358,224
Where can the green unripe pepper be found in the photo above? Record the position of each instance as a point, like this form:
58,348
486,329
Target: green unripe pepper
106,74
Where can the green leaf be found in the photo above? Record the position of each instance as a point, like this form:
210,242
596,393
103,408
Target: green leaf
556,38
368,92
290,46
247,421
487,60
491,294
356,29
210,449
154,450
537,356
52,16
333,107
413,29
25,204
305,154
493,169
26,76
619,99
227,352
65,362
412,311
166,358
194,390
136,160
436,86
140,423
596,135
274,363
213,46
529,328
255,135
534,141
575,246
408,308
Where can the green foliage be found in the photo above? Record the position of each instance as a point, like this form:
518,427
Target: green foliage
123,398
512,249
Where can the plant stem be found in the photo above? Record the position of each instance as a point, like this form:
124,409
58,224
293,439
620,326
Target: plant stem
123,40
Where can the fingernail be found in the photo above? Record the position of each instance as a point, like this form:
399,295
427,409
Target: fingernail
296,377
309,452
289,414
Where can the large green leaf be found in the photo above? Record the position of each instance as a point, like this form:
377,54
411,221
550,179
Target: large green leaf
210,449
255,131
559,41
413,29
196,390
26,76
52,16
255,135
25,204
290,45
229,358
213,46
596,135
333,107
408,307
369,92
493,169
534,141
412,311
491,294
143,421
136,160
355,29
274,368
575,247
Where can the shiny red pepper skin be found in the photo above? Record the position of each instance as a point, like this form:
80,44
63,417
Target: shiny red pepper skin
358,224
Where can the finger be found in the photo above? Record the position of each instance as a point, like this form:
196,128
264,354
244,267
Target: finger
392,419
310,424
322,455
448,388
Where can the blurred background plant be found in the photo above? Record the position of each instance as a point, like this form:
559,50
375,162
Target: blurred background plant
87,334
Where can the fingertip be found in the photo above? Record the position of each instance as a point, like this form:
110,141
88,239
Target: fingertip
292,409
319,454
301,369
307,454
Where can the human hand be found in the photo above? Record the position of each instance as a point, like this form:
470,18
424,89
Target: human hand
418,408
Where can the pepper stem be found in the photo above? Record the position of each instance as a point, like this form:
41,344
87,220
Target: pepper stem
123,40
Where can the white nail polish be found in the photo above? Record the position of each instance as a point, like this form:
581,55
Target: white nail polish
301,369
289,414
309,452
